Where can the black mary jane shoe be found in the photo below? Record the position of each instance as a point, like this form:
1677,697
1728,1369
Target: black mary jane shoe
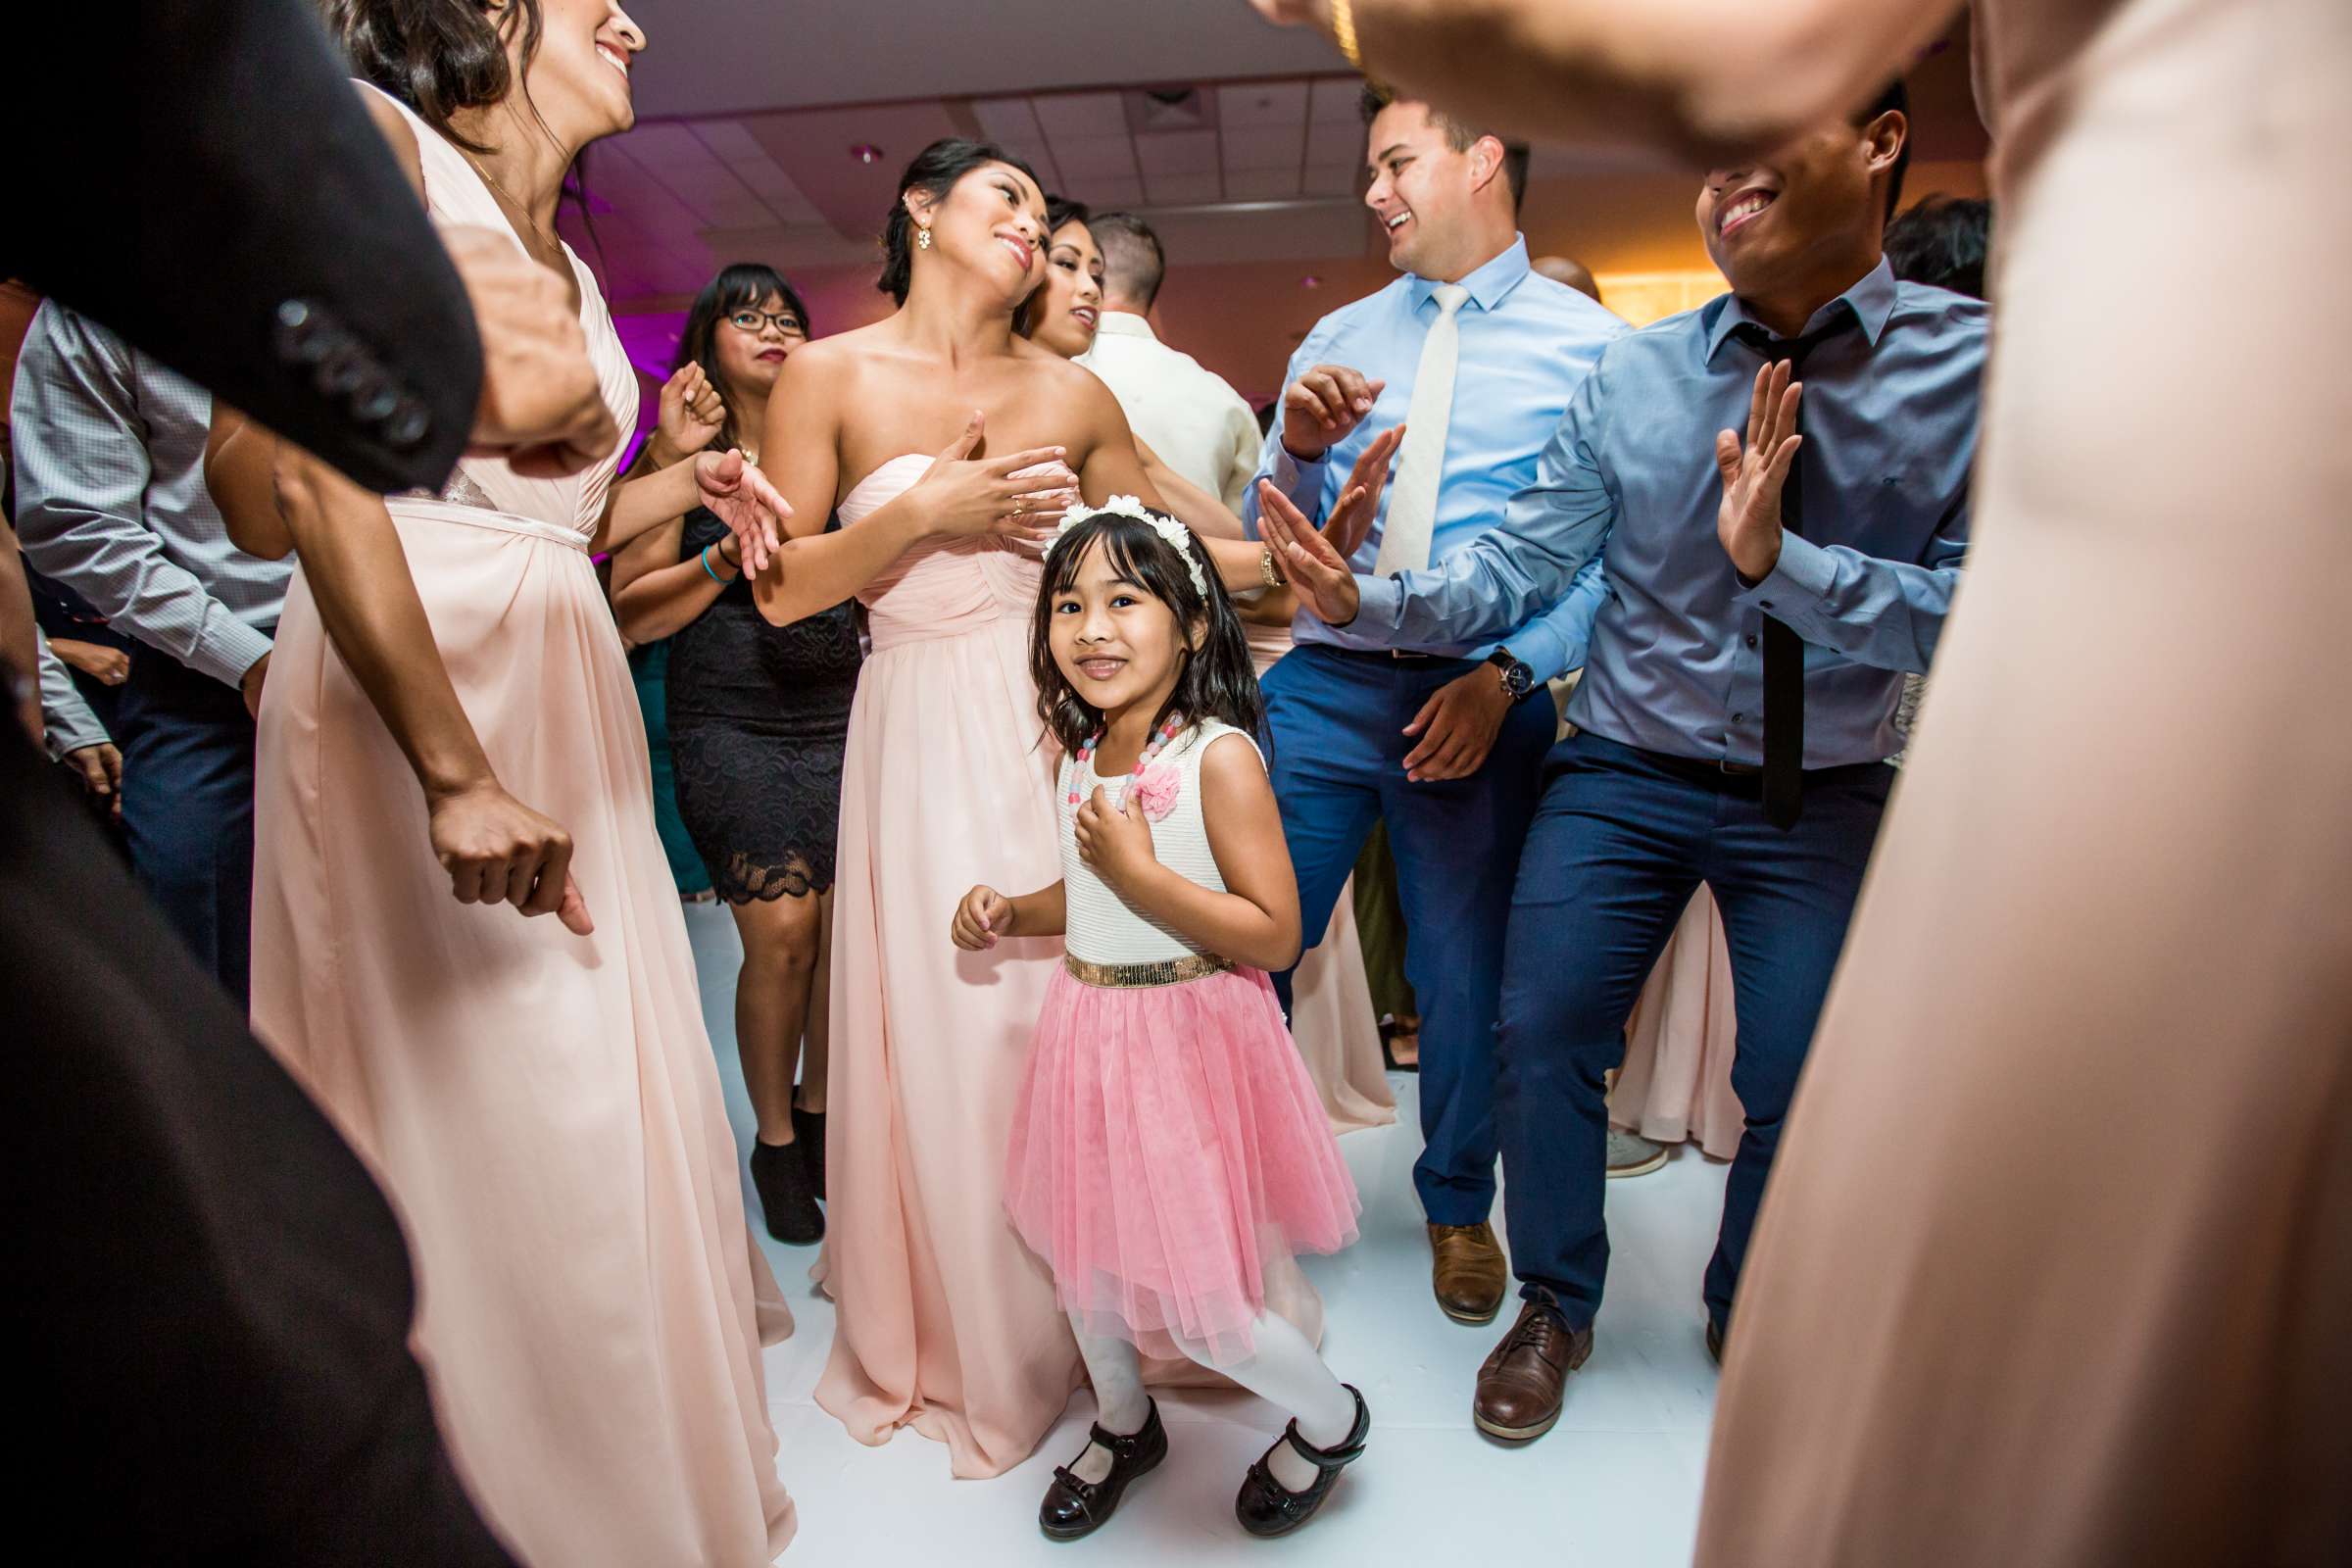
809,1136
1074,1508
785,1200
1266,1507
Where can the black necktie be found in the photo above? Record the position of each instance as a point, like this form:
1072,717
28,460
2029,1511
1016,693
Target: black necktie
1783,649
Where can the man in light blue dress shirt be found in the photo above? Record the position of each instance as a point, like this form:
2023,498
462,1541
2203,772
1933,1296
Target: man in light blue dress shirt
1435,734
1842,517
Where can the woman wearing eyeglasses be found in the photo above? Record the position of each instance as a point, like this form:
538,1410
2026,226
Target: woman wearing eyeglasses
759,715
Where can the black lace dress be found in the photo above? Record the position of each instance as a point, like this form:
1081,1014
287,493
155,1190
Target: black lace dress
759,716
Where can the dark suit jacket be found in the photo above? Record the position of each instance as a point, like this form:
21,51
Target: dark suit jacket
208,1298
201,176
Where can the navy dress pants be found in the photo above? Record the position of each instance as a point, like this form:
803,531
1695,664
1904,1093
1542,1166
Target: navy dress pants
187,808
1336,722
1621,840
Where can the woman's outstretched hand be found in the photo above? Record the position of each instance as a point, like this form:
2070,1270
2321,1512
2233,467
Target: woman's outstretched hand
984,915
963,497
740,496
1319,574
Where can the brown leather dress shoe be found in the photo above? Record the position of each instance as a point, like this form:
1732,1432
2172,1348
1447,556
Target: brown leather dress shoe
1520,1387
1467,1271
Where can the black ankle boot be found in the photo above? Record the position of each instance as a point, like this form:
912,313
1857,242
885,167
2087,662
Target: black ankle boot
792,1216
809,1136
1266,1507
1073,1507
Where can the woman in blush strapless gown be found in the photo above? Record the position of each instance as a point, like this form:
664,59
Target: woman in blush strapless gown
945,1322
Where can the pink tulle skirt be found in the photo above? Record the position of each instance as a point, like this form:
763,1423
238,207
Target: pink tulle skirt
1167,1144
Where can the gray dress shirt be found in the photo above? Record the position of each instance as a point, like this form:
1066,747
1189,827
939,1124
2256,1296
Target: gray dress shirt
111,498
1676,662
69,721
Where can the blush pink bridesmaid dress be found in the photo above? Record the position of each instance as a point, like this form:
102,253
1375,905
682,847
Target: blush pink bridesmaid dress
543,1107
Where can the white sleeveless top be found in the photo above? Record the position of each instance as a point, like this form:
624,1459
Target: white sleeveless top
1102,927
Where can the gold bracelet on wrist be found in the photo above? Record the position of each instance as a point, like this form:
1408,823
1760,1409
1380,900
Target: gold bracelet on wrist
1343,32
1269,570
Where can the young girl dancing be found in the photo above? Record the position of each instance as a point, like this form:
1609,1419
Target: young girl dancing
1169,1142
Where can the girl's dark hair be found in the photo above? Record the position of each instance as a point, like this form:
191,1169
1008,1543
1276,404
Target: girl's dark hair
934,172
737,287
1217,680
439,57
1060,210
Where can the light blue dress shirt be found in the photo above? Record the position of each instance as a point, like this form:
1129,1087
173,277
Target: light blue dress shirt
1526,343
1629,480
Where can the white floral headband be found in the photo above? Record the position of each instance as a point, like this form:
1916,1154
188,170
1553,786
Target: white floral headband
1178,537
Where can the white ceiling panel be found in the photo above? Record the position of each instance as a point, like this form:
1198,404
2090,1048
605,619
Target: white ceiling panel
1109,193
1177,152
735,146
1183,190
1006,119
1261,184
678,158
1261,103
1337,100
1082,157
1333,142
1039,157
1333,179
1081,113
1265,147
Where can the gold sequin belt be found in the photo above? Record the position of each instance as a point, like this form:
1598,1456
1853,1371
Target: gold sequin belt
1164,972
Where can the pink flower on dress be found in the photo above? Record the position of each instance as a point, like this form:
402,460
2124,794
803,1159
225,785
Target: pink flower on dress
1155,790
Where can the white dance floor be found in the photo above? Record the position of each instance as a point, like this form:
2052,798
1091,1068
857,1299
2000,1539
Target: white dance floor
1615,1484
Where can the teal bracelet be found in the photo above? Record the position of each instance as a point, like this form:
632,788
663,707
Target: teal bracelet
708,572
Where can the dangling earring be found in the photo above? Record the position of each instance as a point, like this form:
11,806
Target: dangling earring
922,237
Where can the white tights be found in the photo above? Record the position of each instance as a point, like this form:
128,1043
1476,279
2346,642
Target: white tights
1283,1368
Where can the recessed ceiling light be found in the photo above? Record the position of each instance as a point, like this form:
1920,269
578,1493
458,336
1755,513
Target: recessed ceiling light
865,152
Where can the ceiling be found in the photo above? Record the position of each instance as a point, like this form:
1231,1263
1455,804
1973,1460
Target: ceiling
1243,145
723,57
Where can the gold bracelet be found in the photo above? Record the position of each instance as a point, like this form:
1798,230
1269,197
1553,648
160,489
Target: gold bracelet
1269,570
1343,32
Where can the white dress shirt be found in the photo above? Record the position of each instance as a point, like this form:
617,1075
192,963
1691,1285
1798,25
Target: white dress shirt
1196,422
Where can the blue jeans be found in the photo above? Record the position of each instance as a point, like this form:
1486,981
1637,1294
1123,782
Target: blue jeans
1336,722
187,807
1621,840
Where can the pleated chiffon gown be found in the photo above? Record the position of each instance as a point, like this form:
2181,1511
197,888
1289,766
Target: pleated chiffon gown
544,1109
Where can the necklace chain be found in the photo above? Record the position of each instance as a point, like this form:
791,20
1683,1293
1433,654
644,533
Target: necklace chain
491,180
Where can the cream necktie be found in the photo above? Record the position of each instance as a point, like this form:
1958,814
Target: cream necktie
1420,461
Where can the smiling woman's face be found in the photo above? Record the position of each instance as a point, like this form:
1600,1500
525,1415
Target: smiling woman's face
1072,304
579,80
992,222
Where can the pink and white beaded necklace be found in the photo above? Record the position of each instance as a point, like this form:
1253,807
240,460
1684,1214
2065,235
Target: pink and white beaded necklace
1159,740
